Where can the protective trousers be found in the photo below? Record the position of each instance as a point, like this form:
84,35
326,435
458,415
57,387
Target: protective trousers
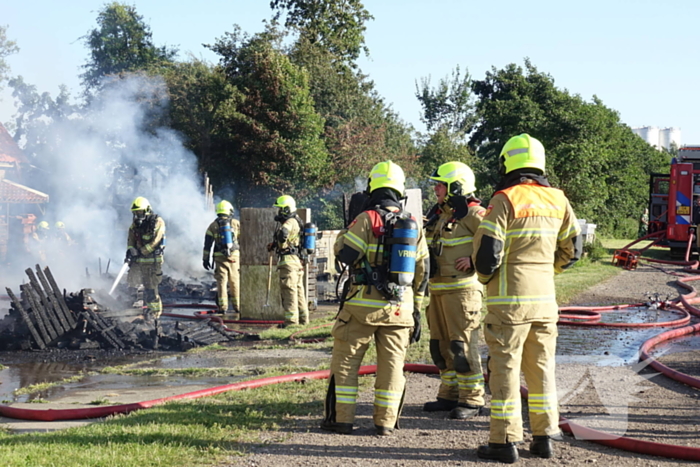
532,347
352,339
150,275
227,275
454,320
293,298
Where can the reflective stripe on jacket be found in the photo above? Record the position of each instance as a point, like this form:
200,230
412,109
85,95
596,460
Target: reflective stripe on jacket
453,239
148,243
290,244
532,230
213,237
364,302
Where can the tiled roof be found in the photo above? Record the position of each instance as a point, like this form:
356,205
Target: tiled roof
9,151
11,192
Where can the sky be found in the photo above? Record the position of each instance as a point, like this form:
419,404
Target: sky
637,56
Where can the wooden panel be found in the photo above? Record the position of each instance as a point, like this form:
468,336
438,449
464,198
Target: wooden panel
414,204
257,228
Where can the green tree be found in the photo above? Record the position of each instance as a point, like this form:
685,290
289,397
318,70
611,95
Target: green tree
337,25
202,103
448,114
122,42
276,133
7,48
449,106
595,158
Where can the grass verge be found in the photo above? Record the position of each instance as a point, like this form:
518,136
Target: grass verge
207,431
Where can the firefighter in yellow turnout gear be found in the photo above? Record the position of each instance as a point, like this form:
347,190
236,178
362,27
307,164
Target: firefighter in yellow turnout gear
144,253
454,313
529,233
287,244
222,234
376,309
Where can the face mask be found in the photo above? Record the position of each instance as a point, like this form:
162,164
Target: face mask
139,217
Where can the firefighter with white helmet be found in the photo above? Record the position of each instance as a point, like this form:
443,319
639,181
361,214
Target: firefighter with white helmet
222,235
454,312
287,243
529,233
145,246
382,303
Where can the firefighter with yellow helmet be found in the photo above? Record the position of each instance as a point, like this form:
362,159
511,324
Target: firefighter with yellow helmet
40,239
529,234
222,235
62,237
287,243
454,312
145,245
389,261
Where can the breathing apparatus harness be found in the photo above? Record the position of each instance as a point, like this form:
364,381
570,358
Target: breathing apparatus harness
228,243
297,249
395,261
147,227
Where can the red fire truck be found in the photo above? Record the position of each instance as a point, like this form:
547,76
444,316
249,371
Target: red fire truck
674,200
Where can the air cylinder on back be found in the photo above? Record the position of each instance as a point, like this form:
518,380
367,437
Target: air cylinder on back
310,237
226,234
404,241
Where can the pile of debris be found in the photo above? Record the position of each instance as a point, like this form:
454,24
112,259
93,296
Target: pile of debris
43,317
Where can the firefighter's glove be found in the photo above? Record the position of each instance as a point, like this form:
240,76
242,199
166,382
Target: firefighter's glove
131,254
270,246
415,336
207,264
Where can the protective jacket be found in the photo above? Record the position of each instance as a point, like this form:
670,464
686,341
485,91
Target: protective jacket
452,239
529,233
148,238
287,240
364,302
213,237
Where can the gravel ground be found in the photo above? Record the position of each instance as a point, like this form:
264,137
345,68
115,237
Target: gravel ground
620,399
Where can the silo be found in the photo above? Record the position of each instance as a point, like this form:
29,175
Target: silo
653,136
675,137
665,138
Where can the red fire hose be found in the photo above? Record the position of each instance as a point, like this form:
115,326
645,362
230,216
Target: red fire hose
628,444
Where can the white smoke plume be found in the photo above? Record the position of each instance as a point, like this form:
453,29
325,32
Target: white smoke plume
108,156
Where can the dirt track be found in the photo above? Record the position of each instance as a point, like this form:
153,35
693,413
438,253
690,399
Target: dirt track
656,410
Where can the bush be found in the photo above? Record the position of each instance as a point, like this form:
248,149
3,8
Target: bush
595,250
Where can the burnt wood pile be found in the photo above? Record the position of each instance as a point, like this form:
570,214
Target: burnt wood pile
173,288
44,317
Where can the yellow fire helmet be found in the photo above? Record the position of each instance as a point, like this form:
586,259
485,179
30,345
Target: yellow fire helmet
458,177
224,208
43,225
523,151
141,204
286,204
60,225
387,175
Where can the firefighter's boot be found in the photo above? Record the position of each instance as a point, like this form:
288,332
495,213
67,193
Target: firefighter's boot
464,411
440,405
340,428
541,446
384,430
506,453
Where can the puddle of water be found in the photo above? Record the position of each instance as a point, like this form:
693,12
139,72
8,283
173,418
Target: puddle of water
293,357
682,344
611,346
